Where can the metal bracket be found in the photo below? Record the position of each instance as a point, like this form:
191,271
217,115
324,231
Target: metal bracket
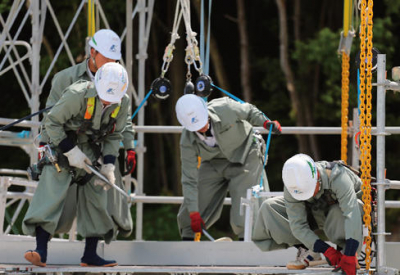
345,42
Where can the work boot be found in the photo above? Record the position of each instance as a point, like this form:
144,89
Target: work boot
90,257
38,256
305,258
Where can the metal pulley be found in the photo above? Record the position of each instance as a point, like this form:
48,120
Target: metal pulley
203,85
161,88
189,88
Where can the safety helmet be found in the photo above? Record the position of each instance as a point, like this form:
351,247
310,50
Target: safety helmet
111,82
300,176
107,43
191,112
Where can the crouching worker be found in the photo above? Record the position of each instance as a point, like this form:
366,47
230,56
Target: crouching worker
317,195
219,153
84,127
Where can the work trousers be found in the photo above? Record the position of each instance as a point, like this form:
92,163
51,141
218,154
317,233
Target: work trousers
49,200
272,231
216,178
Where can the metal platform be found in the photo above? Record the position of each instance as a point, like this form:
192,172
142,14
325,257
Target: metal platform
12,269
157,257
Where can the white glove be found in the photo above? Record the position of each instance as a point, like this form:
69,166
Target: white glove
78,159
108,171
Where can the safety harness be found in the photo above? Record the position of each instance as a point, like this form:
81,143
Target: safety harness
106,129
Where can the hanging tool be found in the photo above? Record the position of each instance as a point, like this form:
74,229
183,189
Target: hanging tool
103,178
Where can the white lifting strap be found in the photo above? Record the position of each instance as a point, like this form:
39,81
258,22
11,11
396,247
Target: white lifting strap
192,50
168,56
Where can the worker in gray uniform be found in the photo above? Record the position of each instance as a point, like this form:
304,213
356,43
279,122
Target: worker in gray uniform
219,154
105,46
84,127
317,195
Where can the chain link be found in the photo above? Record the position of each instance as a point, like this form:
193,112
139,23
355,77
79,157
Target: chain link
365,118
345,103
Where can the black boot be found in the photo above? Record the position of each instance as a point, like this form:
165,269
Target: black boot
90,257
39,255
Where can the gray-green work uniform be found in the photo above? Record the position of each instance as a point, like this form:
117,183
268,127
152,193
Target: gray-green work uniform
118,207
50,197
234,164
336,210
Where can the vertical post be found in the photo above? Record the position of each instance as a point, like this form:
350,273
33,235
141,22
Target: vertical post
380,160
35,88
141,56
128,44
248,222
3,198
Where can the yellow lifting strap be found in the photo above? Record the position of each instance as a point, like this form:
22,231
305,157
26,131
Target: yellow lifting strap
365,118
90,106
91,20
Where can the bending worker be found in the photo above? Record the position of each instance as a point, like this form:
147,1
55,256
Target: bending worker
222,136
105,46
80,135
317,195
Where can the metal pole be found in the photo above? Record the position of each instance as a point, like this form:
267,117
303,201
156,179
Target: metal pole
141,87
3,200
35,88
128,44
380,161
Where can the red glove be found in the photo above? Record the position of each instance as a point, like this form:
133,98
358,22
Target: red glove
130,161
348,264
276,126
333,256
196,222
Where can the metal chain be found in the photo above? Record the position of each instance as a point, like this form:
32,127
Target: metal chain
345,103
365,119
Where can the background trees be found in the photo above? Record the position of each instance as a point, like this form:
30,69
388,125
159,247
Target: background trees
279,55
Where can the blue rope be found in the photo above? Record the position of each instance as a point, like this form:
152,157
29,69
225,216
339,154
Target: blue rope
202,32
141,104
205,57
228,93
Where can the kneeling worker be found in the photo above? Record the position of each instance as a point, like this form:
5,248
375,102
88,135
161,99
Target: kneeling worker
317,195
84,126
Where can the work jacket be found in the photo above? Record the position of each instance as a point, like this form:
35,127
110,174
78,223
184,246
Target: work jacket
68,115
232,124
69,76
339,186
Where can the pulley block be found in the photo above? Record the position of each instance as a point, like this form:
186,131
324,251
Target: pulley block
203,85
161,88
189,88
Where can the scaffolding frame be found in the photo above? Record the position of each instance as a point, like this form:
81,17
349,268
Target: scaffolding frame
32,87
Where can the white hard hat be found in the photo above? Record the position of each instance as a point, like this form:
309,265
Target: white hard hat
191,112
107,43
111,82
300,176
